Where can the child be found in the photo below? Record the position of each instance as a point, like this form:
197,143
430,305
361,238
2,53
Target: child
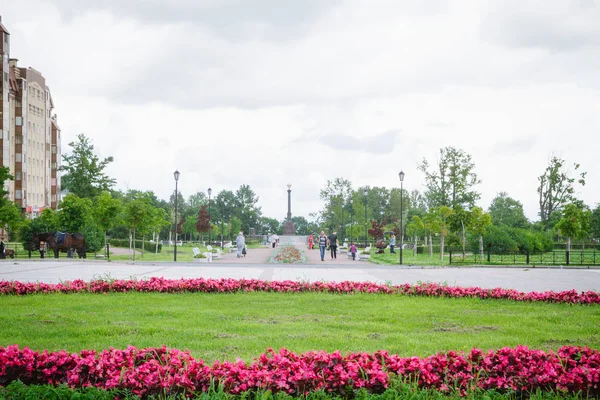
353,251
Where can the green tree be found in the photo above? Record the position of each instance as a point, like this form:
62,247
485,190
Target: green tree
480,221
138,216
574,222
439,222
505,210
246,207
301,225
460,221
107,212
74,213
556,188
595,222
48,221
202,223
415,228
451,183
335,195
84,171
159,219
270,225
10,215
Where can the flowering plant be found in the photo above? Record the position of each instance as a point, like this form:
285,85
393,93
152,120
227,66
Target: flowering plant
163,371
229,285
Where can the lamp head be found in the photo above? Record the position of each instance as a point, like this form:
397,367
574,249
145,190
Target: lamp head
176,175
209,191
401,176
289,185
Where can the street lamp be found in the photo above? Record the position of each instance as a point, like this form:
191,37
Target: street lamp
401,176
209,193
176,175
365,193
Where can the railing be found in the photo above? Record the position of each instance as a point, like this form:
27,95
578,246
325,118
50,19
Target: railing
577,257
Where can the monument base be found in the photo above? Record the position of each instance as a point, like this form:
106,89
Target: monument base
288,228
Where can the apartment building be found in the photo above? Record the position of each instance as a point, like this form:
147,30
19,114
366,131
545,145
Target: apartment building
30,139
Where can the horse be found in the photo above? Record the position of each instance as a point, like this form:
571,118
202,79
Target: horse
9,253
61,241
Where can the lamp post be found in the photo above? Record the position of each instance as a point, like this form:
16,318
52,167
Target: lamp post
209,233
401,176
365,193
176,175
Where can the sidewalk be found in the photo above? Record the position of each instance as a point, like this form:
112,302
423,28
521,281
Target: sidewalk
253,256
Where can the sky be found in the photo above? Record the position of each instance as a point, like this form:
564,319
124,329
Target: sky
271,92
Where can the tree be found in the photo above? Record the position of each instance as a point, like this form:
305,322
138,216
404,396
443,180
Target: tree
301,225
480,221
10,215
335,195
556,188
574,223
437,220
505,210
595,222
459,222
47,221
270,225
415,228
246,209
138,217
452,181
107,212
74,213
203,220
84,175
158,221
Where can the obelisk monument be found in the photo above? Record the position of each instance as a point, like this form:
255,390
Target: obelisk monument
288,225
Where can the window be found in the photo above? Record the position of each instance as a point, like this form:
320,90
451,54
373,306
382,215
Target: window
19,139
19,157
18,175
54,198
19,121
53,149
18,194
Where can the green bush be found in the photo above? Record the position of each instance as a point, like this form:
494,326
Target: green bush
148,246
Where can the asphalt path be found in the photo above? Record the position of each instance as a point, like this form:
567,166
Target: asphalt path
520,278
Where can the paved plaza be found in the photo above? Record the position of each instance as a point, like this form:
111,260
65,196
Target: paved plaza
520,278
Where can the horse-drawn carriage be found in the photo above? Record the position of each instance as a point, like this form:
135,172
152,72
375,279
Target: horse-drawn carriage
59,241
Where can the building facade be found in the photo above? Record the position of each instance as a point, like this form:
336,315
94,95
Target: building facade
30,135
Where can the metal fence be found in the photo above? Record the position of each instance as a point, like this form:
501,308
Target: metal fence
558,257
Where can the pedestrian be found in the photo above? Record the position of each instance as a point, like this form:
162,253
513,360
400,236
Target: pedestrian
392,243
322,245
353,251
240,243
333,244
2,248
311,241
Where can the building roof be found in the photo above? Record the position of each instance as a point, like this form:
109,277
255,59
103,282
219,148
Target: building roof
3,28
12,79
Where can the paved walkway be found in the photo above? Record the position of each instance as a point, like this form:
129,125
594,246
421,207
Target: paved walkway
524,279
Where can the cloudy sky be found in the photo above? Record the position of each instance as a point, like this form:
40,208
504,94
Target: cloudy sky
270,92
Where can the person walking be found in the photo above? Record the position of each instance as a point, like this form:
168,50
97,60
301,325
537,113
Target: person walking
240,242
311,241
392,243
333,243
322,245
353,251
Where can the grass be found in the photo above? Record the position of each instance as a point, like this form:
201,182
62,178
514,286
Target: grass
398,391
228,326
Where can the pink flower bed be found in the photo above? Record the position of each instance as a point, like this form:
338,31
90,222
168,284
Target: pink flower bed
156,371
163,285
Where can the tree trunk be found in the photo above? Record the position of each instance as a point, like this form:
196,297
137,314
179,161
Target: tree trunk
481,246
133,244
416,244
442,240
569,244
430,246
105,249
464,238
143,238
156,241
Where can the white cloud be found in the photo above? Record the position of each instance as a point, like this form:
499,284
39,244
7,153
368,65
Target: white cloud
229,95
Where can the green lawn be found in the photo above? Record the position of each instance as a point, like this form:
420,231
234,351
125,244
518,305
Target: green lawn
227,326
